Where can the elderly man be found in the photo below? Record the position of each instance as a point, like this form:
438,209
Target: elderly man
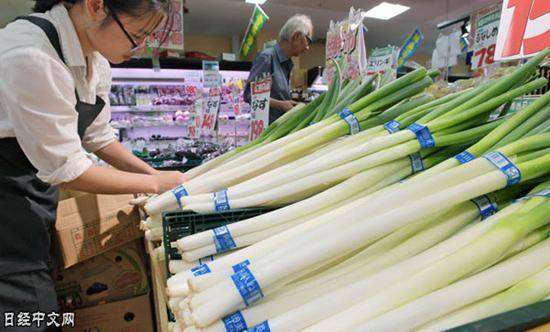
294,39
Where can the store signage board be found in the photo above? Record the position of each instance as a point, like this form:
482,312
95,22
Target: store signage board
524,29
211,74
486,22
255,26
382,60
259,106
210,114
409,47
174,41
345,44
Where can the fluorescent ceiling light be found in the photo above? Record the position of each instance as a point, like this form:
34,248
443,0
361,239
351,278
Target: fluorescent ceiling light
385,11
256,2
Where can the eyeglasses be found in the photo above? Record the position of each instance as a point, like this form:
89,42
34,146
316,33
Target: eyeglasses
135,46
309,41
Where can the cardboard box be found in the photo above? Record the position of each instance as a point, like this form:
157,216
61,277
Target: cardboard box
89,225
112,276
132,315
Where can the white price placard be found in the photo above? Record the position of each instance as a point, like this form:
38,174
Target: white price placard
485,37
194,123
211,74
259,106
381,60
524,29
210,113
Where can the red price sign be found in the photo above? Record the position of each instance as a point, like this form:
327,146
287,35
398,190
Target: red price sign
256,129
524,29
208,121
484,56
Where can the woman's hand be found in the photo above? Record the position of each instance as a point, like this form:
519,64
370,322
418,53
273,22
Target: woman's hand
164,181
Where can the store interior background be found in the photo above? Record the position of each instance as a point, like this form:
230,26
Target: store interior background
217,26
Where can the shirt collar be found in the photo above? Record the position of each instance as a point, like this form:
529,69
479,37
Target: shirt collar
281,54
70,44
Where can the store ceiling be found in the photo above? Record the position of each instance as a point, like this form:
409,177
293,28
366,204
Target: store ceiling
230,17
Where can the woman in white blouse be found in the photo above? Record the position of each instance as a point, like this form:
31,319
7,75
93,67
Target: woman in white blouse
54,86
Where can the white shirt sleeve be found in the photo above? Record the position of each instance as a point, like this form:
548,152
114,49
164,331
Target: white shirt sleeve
37,92
100,133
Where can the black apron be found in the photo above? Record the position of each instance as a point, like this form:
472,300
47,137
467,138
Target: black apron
27,216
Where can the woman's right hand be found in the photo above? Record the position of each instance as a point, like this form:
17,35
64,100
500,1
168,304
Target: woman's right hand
167,180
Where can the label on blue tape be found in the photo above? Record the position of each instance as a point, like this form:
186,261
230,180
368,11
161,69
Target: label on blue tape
485,206
247,285
417,164
235,322
505,166
206,259
392,126
423,135
200,270
543,193
221,201
351,120
223,239
464,157
262,327
240,266
179,192
311,123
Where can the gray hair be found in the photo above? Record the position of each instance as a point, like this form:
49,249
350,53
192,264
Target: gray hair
297,23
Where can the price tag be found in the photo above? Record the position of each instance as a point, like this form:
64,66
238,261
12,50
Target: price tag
381,60
524,29
486,32
194,123
211,74
259,106
210,114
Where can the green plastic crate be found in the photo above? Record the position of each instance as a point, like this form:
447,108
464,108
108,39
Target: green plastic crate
179,224
520,319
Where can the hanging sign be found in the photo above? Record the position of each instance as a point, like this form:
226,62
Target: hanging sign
210,114
346,45
486,22
256,24
381,60
211,74
524,29
172,35
259,106
409,47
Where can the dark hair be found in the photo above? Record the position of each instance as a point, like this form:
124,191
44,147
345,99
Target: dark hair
132,8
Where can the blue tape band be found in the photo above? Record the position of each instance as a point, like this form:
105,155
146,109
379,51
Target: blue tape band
485,206
221,201
240,266
543,193
392,126
206,259
464,157
423,135
351,120
247,285
417,164
200,270
505,166
311,123
262,327
223,239
235,322
179,192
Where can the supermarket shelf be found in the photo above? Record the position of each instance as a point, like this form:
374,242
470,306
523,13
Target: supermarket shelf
147,109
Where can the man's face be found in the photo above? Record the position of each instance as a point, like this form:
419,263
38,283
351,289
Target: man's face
301,42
